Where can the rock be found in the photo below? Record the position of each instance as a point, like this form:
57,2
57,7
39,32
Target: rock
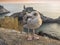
46,19
45,34
2,42
57,20
19,15
3,10
14,38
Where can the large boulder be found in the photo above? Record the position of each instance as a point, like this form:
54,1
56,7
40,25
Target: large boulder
3,10
57,20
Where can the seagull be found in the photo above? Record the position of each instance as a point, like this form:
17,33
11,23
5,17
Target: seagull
32,21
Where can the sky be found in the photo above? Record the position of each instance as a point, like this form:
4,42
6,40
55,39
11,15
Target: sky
28,1
48,8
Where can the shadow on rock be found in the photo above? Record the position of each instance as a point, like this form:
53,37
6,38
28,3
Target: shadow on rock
2,42
48,35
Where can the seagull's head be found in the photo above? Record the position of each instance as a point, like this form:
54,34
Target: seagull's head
33,14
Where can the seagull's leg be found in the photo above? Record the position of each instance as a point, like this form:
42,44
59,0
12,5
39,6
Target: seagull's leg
29,36
33,33
28,31
35,36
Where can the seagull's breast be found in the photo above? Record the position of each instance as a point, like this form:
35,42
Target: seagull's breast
34,23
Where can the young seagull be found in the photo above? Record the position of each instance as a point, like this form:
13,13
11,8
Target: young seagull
33,21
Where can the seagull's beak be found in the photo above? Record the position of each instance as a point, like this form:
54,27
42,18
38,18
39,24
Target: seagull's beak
28,17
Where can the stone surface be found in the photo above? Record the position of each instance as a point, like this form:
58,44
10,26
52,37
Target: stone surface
3,10
2,42
13,37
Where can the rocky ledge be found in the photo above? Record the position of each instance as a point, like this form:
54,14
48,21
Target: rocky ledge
12,37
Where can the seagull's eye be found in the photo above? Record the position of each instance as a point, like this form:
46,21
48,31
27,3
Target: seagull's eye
35,14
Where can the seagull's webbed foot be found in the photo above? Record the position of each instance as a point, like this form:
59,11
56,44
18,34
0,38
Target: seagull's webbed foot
29,37
36,36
